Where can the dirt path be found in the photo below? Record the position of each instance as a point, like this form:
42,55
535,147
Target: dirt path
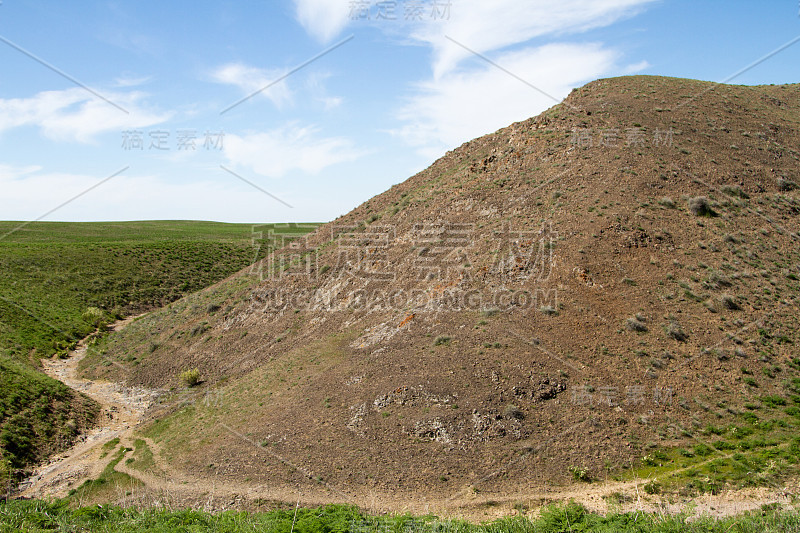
122,408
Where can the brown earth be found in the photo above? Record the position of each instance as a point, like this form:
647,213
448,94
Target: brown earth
542,300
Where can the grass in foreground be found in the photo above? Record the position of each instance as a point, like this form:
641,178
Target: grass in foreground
43,516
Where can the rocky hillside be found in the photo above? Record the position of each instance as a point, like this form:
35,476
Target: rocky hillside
609,287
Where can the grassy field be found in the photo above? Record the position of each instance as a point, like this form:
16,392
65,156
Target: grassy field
50,516
60,282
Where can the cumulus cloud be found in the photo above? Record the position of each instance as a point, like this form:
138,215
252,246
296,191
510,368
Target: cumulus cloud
252,79
459,106
485,26
323,19
277,152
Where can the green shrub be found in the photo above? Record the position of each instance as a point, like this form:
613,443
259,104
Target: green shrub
96,317
702,450
653,487
190,378
441,339
729,302
580,473
773,401
734,190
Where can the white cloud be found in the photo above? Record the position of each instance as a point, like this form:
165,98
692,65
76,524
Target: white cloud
131,81
462,105
323,19
483,25
77,115
277,152
315,84
637,67
252,79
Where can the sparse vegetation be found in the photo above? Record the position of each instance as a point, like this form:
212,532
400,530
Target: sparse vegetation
729,302
785,185
667,202
548,310
634,324
674,331
701,206
511,411
442,340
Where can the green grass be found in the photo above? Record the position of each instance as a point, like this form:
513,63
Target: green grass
749,452
38,416
35,516
59,281
51,273
108,485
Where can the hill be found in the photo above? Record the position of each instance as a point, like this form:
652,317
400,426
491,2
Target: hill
60,282
605,291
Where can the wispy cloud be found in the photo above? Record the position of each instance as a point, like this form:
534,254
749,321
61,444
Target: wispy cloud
253,79
277,152
459,106
323,19
131,81
318,91
74,115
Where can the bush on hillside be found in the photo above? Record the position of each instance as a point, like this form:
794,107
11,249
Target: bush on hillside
190,378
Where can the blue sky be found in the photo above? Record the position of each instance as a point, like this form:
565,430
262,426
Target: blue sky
89,90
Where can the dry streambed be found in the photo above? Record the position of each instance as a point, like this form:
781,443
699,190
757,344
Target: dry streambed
122,409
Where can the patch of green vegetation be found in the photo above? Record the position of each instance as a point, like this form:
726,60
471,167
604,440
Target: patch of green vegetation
107,486
442,340
36,515
142,456
758,453
109,447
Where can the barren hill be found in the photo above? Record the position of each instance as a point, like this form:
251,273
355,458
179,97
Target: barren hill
611,284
